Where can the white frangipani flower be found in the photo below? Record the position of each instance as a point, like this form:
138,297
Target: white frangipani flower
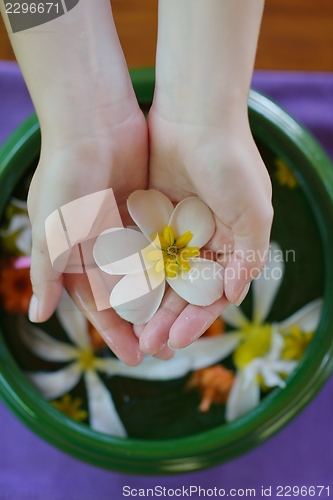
245,392
162,254
20,224
260,348
82,362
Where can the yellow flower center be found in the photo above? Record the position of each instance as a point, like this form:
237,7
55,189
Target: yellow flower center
86,359
295,343
283,175
257,341
175,252
71,407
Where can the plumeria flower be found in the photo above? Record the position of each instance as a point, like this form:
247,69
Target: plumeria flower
259,355
166,250
265,370
19,226
82,362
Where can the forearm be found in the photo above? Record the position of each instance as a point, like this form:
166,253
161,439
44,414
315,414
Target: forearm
75,70
205,56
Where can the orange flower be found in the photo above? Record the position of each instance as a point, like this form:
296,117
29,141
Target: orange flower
213,383
97,341
15,288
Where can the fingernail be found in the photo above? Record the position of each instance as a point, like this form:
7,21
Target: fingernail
242,295
173,348
33,309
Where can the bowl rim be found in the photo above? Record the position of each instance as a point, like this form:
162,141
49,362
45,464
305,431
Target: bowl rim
290,141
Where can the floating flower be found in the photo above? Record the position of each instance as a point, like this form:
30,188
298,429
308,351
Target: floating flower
16,238
82,361
167,249
265,371
259,355
15,287
71,407
284,175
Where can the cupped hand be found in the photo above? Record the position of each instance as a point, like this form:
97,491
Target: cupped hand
220,164
73,165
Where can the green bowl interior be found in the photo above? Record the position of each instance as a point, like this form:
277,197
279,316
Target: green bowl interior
167,433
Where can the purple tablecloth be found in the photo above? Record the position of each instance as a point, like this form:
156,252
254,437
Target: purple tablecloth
301,454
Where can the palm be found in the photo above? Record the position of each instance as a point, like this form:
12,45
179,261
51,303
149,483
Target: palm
91,170
226,171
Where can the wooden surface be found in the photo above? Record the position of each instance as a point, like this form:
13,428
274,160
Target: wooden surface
295,34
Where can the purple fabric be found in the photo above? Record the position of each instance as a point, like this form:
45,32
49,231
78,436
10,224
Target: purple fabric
301,454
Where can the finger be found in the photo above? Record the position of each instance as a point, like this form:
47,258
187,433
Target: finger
46,283
138,329
165,353
193,322
222,241
116,332
252,235
155,335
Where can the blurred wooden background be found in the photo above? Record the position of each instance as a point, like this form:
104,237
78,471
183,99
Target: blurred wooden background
295,34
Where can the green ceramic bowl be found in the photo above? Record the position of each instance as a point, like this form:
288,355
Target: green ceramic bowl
185,440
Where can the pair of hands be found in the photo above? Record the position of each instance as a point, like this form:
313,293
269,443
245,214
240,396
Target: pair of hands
219,163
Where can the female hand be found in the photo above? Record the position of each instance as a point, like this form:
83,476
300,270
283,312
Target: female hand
222,166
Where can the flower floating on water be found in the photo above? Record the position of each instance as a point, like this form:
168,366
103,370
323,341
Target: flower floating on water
260,357
284,175
82,362
167,249
15,287
16,237
71,407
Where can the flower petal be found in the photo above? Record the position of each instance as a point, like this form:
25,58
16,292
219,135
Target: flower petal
244,397
150,210
193,215
271,378
73,321
44,346
23,205
137,297
55,384
120,251
307,318
209,350
267,284
149,369
24,241
277,344
202,353
103,416
202,285
234,316
17,223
